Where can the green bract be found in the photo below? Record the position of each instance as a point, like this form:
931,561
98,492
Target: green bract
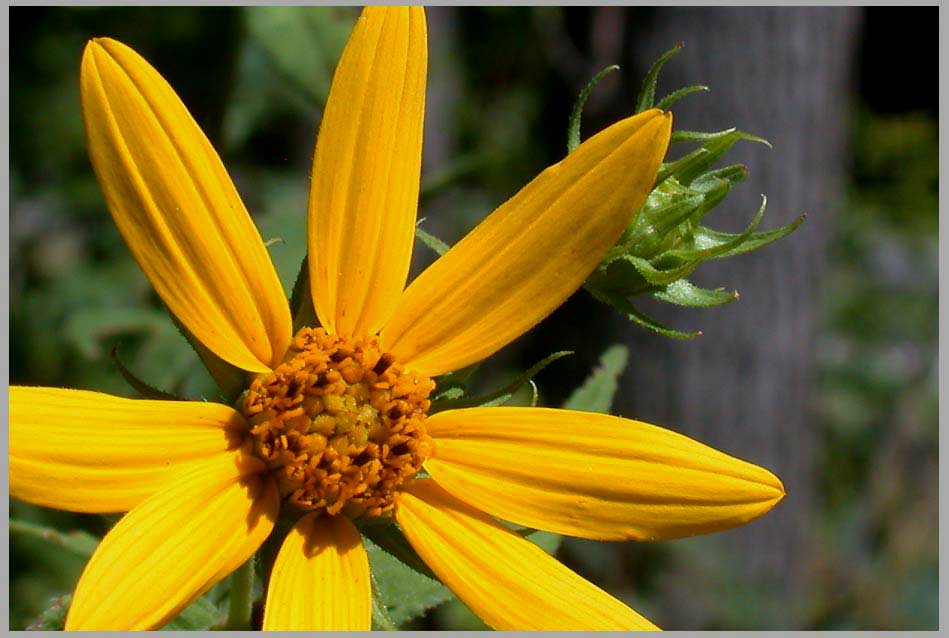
666,241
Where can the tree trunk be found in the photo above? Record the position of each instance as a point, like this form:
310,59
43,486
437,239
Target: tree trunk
746,386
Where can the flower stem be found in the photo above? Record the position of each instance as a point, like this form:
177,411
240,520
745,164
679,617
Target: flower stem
241,605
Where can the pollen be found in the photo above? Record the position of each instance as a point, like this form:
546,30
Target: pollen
340,424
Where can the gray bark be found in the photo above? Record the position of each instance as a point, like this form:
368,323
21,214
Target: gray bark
746,386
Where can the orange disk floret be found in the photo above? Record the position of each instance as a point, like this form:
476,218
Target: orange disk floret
340,424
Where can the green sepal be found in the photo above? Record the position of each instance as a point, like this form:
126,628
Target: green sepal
448,393
459,377
647,94
547,541
301,301
454,385
685,293
675,264
650,231
696,136
573,126
733,175
77,542
597,392
275,241
687,168
752,241
665,241
672,210
144,389
638,275
535,395
230,379
666,102
431,240
635,315
501,395
697,255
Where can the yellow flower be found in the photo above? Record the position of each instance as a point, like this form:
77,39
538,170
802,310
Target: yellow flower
333,425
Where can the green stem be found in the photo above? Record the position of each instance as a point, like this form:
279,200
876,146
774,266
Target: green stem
241,605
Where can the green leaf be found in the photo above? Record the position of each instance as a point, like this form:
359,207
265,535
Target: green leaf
597,392
431,240
637,316
501,395
147,391
684,293
401,592
78,542
381,621
573,128
666,102
53,617
648,92
389,537
200,615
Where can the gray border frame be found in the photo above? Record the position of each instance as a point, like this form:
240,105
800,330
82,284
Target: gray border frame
5,338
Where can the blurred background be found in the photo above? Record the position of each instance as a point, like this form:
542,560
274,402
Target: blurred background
824,371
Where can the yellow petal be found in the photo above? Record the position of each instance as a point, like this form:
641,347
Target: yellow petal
592,475
178,210
509,582
364,191
91,452
530,254
320,580
175,546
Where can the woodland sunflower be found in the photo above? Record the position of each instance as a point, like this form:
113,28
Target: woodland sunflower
332,427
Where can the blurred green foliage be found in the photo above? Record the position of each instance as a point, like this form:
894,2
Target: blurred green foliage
879,398
255,79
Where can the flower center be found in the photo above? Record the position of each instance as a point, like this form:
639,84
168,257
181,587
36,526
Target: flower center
340,424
